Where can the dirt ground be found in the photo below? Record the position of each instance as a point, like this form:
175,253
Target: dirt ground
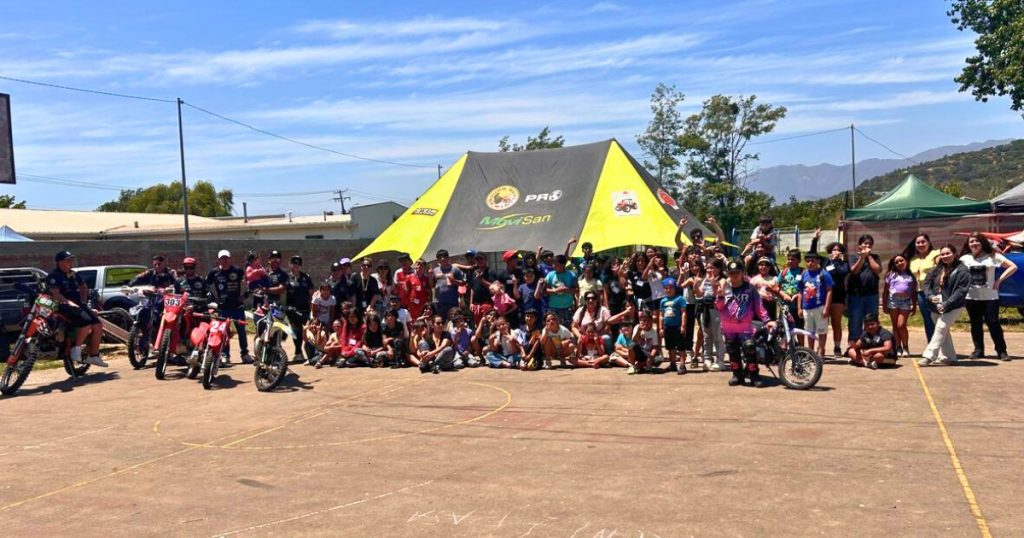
509,454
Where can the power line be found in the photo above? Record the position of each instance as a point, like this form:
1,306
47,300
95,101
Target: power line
894,152
84,90
797,136
278,194
301,143
70,182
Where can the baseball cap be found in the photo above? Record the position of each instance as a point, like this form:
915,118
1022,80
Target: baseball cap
510,255
274,254
224,254
734,267
335,266
297,260
470,253
666,282
344,261
188,261
812,255
764,259
63,255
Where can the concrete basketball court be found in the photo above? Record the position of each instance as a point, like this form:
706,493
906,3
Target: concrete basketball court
509,454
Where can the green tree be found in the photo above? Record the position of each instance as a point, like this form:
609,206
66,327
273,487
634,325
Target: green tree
952,188
998,68
543,140
203,200
714,143
731,205
7,202
660,142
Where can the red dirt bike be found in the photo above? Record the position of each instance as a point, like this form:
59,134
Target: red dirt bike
44,330
208,341
176,324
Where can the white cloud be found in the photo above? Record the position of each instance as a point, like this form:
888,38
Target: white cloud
345,29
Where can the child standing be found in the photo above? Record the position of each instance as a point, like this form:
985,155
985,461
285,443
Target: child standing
672,324
707,292
899,299
503,304
815,299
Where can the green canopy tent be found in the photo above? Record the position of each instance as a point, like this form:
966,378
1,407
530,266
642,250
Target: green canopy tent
914,199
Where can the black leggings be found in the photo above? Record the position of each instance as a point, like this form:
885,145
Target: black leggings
691,320
298,322
984,313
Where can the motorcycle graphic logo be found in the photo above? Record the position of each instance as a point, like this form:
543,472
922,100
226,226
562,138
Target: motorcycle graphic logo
502,198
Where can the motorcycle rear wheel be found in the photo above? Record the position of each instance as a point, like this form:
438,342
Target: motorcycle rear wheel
75,370
15,375
270,371
138,346
162,355
801,369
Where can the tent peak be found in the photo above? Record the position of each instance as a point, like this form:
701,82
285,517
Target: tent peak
586,146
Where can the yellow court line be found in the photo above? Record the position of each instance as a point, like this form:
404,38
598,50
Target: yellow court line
972,501
156,430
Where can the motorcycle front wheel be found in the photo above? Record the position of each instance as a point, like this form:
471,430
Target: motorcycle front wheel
75,370
138,346
163,354
14,375
209,369
270,370
800,369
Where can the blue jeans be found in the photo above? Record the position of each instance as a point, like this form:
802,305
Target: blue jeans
494,359
858,307
929,323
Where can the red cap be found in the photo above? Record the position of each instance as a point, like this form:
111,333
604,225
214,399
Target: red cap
510,254
188,261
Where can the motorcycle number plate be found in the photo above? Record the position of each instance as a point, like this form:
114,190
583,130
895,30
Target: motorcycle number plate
172,301
45,306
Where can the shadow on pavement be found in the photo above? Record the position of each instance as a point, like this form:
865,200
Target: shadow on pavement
292,383
68,385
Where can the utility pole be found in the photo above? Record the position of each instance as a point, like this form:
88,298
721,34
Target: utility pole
341,198
853,170
184,185
438,171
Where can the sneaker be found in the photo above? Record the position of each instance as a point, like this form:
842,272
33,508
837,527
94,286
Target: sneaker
735,380
631,370
873,365
949,362
95,360
716,367
925,361
531,364
977,355
314,359
436,369
705,366
76,353
1005,357
693,362
682,369
247,358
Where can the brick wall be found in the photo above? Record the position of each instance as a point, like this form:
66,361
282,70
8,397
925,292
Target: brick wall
317,254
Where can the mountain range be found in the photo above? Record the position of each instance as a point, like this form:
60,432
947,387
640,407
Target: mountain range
823,180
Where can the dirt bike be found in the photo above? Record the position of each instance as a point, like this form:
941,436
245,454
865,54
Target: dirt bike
272,329
208,340
176,321
44,330
800,368
142,335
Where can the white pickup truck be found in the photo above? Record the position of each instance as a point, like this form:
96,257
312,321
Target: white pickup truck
107,281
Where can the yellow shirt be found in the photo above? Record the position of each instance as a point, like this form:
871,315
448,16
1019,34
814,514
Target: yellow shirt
920,267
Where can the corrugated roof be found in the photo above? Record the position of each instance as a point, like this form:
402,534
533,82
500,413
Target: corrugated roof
56,221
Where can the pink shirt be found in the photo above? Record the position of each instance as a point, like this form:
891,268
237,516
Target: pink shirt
502,303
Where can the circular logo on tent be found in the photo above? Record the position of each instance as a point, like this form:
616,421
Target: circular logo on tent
503,197
666,199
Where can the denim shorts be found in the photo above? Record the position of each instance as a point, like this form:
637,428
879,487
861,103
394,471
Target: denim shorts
900,303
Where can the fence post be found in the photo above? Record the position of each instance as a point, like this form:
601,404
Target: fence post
796,237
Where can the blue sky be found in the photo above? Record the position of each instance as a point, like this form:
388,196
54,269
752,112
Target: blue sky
420,83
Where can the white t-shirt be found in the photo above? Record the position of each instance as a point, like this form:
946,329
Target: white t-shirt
324,307
983,275
647,340
654,279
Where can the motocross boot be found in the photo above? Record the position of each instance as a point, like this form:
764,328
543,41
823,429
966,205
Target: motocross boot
737,374
755,376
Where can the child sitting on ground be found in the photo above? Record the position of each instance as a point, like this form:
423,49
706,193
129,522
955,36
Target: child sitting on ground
647,340
624,354
395,340
505,351
463,339
591,349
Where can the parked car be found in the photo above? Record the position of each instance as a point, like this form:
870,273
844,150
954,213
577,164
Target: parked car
107,281
1011,292
18,289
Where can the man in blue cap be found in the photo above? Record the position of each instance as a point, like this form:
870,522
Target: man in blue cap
73,294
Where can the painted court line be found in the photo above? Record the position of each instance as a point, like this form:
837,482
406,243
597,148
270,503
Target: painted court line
972,501
325,510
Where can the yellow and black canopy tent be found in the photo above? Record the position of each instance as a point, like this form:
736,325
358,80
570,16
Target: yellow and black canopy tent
491,202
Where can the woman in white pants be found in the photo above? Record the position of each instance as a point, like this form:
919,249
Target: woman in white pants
946,290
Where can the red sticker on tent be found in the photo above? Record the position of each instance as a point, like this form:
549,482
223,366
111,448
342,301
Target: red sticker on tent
667,199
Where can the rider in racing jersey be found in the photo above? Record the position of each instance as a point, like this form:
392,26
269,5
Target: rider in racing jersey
191,283
228,288
160,277
737,305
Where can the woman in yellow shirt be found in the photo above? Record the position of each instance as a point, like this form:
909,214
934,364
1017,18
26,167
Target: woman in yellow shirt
922,255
